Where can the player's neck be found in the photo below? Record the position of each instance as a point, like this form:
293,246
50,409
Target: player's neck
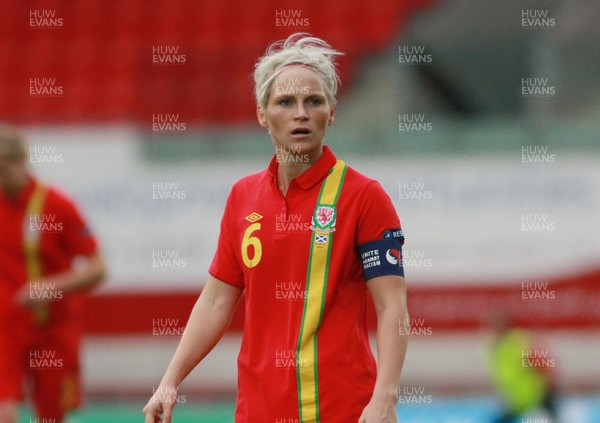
292,166
287,172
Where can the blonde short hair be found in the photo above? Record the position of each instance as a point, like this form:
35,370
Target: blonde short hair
298,49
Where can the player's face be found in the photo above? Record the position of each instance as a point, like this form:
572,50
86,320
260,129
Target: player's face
297,112
13,173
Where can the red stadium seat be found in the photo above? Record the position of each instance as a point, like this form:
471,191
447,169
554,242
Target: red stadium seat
103,54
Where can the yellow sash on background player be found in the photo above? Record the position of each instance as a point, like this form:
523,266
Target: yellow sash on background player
31,247
324,220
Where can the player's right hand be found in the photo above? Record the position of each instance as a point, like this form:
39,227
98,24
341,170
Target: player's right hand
160,406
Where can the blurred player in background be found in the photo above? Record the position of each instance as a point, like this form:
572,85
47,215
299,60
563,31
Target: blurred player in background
306,239
41,288
520,371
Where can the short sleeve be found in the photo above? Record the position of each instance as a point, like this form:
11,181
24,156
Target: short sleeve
78,238
379,234
225,265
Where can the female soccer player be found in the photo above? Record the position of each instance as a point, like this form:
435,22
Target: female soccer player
305,239
42,233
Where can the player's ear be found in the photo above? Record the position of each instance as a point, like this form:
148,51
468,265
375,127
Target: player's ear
262,117
331,116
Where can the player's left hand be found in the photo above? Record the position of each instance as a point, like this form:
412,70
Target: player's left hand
23,297
35,293
379,410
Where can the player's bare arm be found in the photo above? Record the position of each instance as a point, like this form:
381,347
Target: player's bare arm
389,297
89,273
208,321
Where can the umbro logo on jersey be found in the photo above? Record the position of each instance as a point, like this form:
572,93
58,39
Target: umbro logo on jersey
253,217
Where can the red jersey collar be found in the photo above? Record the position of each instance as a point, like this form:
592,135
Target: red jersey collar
313,175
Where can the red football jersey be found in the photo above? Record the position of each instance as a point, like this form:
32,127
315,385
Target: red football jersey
42,232
264,248
63,235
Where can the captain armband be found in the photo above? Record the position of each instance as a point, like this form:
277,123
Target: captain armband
381,257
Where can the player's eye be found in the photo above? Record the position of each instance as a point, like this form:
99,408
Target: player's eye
314,101
285,101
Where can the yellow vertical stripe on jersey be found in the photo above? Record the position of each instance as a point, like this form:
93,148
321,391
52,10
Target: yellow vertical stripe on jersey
31,246
314,304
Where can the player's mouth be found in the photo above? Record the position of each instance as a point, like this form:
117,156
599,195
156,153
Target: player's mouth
300,132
